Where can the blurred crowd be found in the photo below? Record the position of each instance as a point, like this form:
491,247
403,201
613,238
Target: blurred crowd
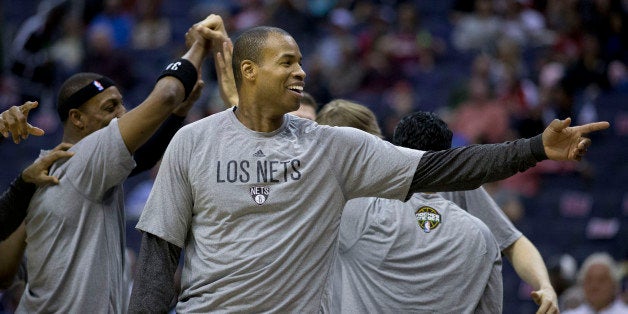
495,70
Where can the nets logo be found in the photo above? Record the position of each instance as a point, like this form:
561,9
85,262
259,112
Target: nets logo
427,218
260,194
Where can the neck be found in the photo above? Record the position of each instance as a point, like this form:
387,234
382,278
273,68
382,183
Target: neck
70,137
258,119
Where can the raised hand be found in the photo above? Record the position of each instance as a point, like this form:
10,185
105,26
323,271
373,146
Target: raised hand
224,71
210,31
38,172
14,121
562,142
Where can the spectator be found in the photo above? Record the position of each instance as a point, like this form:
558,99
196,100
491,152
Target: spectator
600,279
152,30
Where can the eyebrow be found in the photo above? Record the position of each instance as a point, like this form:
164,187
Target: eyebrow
289,55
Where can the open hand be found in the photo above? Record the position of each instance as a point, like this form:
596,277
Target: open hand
14,121
562,142
224,71
38,172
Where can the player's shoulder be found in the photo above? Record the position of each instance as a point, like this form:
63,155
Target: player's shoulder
214,121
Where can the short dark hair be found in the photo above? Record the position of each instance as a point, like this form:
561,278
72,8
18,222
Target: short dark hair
249,46
69,87
423,131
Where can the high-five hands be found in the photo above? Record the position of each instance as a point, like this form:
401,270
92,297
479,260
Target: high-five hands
210,32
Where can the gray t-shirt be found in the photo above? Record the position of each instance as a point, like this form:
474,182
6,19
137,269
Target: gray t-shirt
480,204
426,255
258,213
75,231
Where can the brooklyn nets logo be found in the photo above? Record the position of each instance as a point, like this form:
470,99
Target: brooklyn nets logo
428,218
260,194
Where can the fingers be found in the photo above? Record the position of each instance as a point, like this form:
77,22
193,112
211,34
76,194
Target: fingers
208,34
227,49
55,155
33,130
558,125
592,127
14,121
212,21
584,143
3,128
63,146
544,307
27,106
46,179
536,297
220,60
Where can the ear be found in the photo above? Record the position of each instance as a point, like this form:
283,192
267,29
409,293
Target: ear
75,117
249,69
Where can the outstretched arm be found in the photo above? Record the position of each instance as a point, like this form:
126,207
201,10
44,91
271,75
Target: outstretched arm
14,121
153,285
530,267
466,168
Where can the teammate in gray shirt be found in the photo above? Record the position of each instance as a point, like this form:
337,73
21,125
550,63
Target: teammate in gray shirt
75,230
422,255
426,131
255,195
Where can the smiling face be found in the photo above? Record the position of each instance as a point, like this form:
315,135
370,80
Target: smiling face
280,78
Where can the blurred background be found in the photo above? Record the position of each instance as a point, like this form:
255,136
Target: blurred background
495,70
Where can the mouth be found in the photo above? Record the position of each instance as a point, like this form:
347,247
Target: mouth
296,89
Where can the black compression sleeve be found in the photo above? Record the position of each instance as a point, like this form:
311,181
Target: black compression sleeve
14,205
149,154
466,168
153,284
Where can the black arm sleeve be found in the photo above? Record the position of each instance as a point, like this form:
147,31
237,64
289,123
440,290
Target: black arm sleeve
153,285
14,205
466,168
149,154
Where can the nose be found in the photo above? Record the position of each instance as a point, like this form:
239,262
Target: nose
300,73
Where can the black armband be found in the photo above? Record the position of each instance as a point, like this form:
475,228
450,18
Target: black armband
184,71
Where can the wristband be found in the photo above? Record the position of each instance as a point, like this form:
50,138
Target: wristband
184,71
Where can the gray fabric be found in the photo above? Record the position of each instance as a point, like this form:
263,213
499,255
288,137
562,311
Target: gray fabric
388,263
480,204
75,231
275,255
